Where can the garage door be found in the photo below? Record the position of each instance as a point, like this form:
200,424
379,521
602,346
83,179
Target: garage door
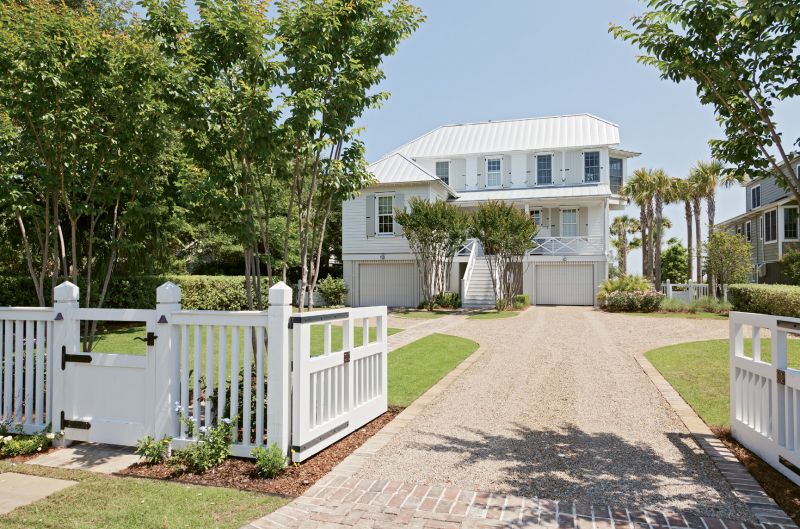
565,284
390,284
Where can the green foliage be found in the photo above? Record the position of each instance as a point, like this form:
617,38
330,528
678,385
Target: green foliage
153,450
707,304
506,234
791,266
448,300
435,231
333,290
212,446
632,301
21,444
728,257
674,266
270,460
623,284
778,300
521,301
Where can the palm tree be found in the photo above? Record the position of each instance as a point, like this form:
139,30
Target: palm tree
707,177
685,191
663,192
639,188
621,227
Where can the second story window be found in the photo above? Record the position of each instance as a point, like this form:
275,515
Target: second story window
755,197
790,217
771,226
615,173
536,216
591,166
747,232
544,169
443,171
385,216
569,222
494,172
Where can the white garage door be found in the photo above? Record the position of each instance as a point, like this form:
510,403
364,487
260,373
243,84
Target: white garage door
388,283
565,284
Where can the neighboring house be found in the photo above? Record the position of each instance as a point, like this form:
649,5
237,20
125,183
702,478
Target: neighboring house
770,224
565,172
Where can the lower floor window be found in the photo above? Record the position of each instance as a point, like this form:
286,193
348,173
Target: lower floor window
790,218
771,226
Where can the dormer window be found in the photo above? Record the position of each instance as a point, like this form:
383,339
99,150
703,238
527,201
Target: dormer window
443,171
544,169
755,197
494,172
591,166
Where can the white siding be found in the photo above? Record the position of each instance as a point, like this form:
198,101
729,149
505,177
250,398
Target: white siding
390,283
565,284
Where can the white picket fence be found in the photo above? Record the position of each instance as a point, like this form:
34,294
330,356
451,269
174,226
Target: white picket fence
258,368
765,395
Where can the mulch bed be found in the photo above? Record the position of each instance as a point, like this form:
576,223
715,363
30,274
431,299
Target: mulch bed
785,493
238,473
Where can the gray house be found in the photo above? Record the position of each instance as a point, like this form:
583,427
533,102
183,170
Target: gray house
770,224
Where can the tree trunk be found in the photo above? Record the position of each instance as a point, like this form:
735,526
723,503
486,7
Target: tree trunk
699,236
711,207
659,227
689,242
643,227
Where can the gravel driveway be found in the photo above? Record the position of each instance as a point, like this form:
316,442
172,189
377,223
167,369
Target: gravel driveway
557,408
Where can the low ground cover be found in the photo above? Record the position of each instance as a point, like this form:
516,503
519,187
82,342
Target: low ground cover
688,315
113,502
699,372
493,314
422,314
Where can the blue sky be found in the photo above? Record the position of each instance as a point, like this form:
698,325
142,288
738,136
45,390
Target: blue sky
474,60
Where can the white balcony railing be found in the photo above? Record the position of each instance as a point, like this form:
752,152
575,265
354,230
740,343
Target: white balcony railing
581,245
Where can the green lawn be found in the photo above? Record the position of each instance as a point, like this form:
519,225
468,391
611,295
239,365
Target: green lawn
422,314
687,315
699,372
493,314
124,503
419,365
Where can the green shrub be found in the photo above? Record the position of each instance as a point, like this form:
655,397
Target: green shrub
633,301
152,450
623,284
270,460
448,300
333,290
212,446
521,301
779,300
791,266
21,444
705,304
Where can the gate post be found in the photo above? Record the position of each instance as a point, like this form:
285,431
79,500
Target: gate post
66,340
166,363
278,366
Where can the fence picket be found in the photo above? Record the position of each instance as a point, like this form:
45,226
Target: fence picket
40,354
196,375
259,440
29,370
221,370
235,378
185,381
248,380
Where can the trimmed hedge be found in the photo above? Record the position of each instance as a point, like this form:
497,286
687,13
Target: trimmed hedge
199,292
632,301
778,300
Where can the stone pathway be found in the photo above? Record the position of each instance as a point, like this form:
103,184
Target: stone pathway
424,328
103,459
17,490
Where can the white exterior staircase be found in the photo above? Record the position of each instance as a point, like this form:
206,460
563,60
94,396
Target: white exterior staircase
479,293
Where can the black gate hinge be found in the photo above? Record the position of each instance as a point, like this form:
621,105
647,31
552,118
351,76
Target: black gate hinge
150,339
71,423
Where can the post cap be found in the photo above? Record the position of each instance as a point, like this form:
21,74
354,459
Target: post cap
66,291
169,292
280,294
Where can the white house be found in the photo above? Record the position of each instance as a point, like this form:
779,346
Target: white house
564,171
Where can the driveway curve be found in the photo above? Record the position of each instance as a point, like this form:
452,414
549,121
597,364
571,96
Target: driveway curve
556,407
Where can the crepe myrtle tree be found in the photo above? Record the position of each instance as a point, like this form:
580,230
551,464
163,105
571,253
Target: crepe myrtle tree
742,56
435,232
728,257
505,233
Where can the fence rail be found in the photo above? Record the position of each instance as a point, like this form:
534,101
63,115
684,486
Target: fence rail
581,245
765,395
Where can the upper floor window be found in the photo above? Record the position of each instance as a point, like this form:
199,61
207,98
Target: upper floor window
569,222
544,169
591,166
443,171
790,217
494,172
755,197
615,167
771,226
747,232
385,216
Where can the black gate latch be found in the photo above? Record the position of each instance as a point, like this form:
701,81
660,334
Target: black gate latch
150,340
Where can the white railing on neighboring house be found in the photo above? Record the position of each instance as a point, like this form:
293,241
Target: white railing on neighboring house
690,292
765,392
469,248
580,245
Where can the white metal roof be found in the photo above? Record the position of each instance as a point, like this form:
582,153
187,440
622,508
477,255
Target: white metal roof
397,169
558,192
555,132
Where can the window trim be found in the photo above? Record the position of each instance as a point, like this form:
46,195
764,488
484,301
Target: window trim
752,189
378,232
599,167
796,223
561,222
449,166
764,222
486,167
536,167
748,233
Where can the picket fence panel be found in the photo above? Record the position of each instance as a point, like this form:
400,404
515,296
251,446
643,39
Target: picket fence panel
765,395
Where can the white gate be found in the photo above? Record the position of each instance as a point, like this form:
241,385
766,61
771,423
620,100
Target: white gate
765,395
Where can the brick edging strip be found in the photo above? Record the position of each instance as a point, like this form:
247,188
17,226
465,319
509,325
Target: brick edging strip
744,486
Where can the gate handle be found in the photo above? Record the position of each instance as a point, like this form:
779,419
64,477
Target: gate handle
150,340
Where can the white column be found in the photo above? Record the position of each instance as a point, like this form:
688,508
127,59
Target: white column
278,365
66,340
166,363
472,173
518,169
780,232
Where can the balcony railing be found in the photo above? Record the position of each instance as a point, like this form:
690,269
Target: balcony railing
581,245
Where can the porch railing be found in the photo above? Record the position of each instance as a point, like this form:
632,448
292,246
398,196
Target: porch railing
581,245
470,248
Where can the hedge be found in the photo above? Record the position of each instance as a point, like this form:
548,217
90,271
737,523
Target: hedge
778,300
199,292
